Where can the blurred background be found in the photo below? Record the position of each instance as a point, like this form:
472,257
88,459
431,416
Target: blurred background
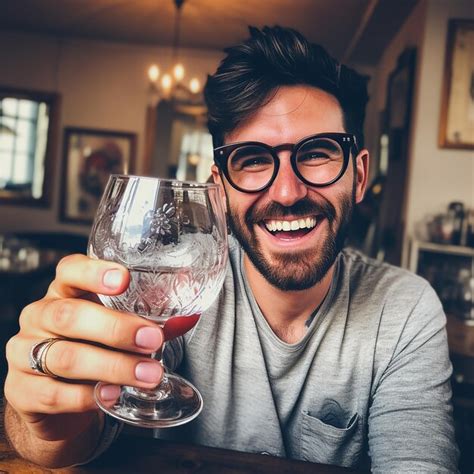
96,87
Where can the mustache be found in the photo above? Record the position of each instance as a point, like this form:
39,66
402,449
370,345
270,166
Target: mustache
302,208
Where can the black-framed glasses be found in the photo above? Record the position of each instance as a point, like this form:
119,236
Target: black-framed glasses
318,160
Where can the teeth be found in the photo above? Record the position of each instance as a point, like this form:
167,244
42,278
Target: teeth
275,225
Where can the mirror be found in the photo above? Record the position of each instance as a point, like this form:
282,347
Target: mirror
27,126
179,145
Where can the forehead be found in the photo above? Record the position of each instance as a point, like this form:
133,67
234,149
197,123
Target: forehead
293,112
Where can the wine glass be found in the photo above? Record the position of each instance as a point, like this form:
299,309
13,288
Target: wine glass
172,237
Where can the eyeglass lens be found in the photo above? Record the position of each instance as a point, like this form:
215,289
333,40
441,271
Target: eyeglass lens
318,160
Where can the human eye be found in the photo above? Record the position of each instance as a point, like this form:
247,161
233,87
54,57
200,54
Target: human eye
255,162
319,153
251,160
316,156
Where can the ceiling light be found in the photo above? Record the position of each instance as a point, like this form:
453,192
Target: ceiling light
172,84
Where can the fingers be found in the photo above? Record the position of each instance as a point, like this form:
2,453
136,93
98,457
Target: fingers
78,274
79,361
80,319
37,394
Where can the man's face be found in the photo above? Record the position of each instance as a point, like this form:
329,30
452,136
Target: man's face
294,259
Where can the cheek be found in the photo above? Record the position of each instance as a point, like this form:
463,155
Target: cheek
239,212
238,204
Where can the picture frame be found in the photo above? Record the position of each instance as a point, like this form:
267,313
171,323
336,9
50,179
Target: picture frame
457,101
90,156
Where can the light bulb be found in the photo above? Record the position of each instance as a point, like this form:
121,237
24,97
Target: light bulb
194,85
153,73
166,82
194,159
178,72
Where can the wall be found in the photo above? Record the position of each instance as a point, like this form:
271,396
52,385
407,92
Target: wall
102,85
437,176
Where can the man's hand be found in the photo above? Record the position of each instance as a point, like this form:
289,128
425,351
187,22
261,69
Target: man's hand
100,344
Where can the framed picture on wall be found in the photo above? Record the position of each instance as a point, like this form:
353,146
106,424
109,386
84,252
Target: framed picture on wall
89,158
457,103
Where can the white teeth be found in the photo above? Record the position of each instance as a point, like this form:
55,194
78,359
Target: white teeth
274,225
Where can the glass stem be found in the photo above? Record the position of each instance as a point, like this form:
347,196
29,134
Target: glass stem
159,356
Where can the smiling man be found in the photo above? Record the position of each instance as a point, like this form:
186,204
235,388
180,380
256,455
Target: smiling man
311,351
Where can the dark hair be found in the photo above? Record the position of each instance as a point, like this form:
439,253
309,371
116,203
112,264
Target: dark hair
272,57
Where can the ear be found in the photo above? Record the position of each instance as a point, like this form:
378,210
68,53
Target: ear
218,179
362,174
215,174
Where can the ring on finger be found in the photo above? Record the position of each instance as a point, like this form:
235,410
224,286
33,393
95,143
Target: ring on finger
38,353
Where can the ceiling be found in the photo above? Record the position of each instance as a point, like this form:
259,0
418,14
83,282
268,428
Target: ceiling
354,31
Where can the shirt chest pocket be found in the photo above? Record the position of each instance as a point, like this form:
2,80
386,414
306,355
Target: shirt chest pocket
332,441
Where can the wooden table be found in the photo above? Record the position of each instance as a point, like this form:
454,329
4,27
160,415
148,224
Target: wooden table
136,455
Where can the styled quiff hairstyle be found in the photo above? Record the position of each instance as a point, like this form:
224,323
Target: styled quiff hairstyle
249,75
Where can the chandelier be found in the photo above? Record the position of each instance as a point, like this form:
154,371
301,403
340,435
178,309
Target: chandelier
171,85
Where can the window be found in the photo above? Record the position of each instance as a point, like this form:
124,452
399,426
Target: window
24,131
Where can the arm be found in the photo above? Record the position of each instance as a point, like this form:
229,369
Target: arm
410,419
55,453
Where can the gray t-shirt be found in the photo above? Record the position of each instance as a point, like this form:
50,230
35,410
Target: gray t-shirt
368,385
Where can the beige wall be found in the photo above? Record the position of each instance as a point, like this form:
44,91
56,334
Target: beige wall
437,176
102,85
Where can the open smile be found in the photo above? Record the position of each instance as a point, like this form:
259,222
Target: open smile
289,230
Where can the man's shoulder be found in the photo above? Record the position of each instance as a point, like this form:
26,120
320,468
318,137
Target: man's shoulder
361,266
399,303
380,278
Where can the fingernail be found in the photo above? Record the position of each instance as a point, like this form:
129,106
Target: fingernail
109,392
112,279
148,372
149,338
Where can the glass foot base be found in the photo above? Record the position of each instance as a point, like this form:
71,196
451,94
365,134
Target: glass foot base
175,402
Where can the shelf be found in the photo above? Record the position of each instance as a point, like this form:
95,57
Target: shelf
444,248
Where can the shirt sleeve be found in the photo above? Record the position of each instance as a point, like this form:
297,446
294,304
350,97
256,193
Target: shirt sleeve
110,432
411,425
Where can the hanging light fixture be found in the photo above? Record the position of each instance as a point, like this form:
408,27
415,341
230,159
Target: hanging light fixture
171,85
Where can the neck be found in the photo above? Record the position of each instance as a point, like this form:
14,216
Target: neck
286,311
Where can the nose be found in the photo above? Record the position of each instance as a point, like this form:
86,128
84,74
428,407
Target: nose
287,189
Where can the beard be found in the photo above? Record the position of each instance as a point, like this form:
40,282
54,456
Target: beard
294,271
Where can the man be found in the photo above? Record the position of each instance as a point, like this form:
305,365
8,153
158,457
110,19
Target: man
310,351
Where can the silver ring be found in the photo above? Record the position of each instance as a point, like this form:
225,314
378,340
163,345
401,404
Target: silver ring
38,353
